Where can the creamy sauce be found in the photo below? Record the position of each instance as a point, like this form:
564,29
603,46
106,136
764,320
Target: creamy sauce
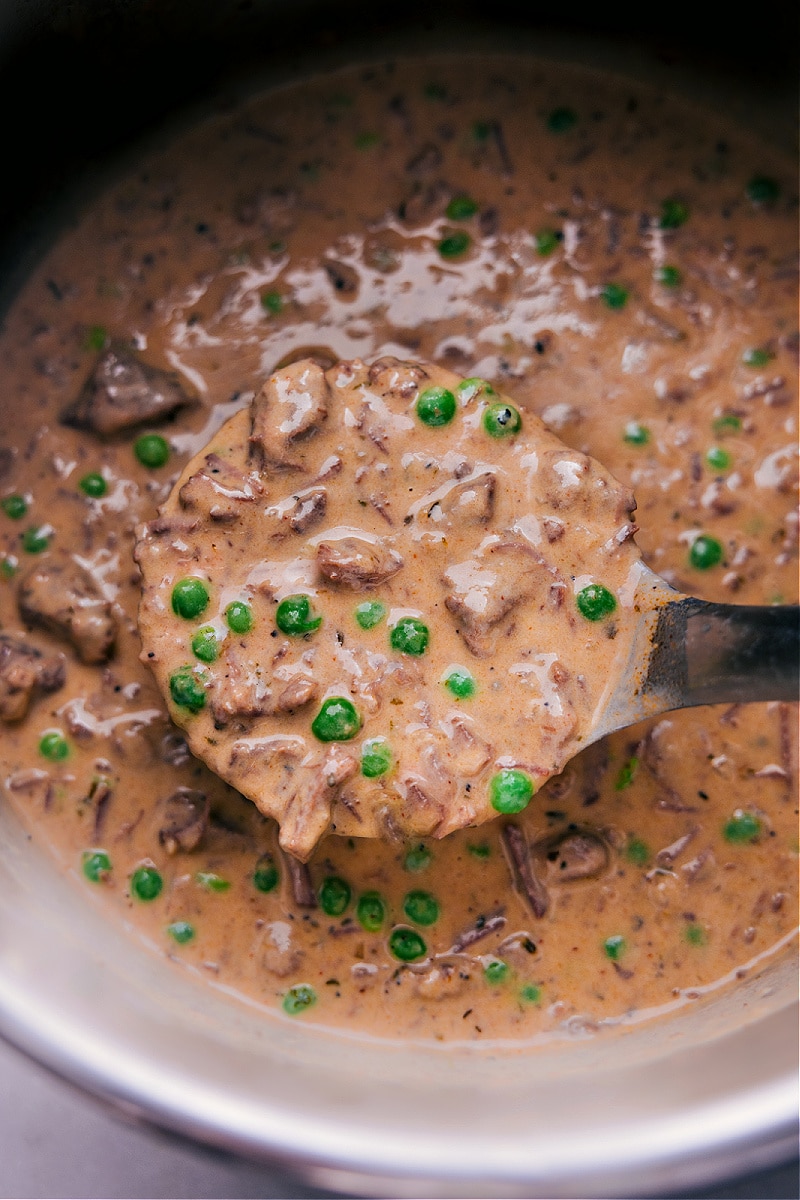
460,620
621,266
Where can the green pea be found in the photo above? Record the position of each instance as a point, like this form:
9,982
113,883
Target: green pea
627,774
561,120
205,644
366,141
742,827
146,884
496,972
595,602
756,356
501,420
239,617
421,907
14,506
718,459
96,865
436,406
370,613
298,999
8,566
152,450
674,213
727,423
530,994
187,689
266,875
461,208
272,302
293,616
479,850
181,932
705,552
96,338
637,852
546,241
614,295
336,721
455,244
460,683
36,539
371,911
763,190
417,859
212,882
93,485
435,90
334,895
468,389
406,944
54,746
615,946
695,935
669,277
410,636
376,758
636,434
510,790
189,598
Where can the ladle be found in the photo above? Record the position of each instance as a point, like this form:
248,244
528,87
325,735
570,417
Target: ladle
686,652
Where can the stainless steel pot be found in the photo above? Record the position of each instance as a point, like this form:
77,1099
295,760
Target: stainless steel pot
707,1092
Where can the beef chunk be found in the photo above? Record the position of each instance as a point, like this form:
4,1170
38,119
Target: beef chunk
123,392
239,694
302,511
299,692
291,406
470,502
308,812
185,819
483,590
62,597
470,753
302,791
24,671
393,377
427,794
357,563
219,489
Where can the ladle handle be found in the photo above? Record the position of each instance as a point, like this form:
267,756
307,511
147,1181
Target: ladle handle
740,653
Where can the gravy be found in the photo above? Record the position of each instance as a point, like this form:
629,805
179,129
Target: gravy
624,268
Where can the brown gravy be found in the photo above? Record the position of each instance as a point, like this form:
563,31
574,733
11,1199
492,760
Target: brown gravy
622,266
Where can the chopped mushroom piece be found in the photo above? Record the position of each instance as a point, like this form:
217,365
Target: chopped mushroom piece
121,393
576,854
63,598
24,672
185,820
519,855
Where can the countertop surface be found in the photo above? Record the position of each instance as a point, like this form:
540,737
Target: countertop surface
57,1143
